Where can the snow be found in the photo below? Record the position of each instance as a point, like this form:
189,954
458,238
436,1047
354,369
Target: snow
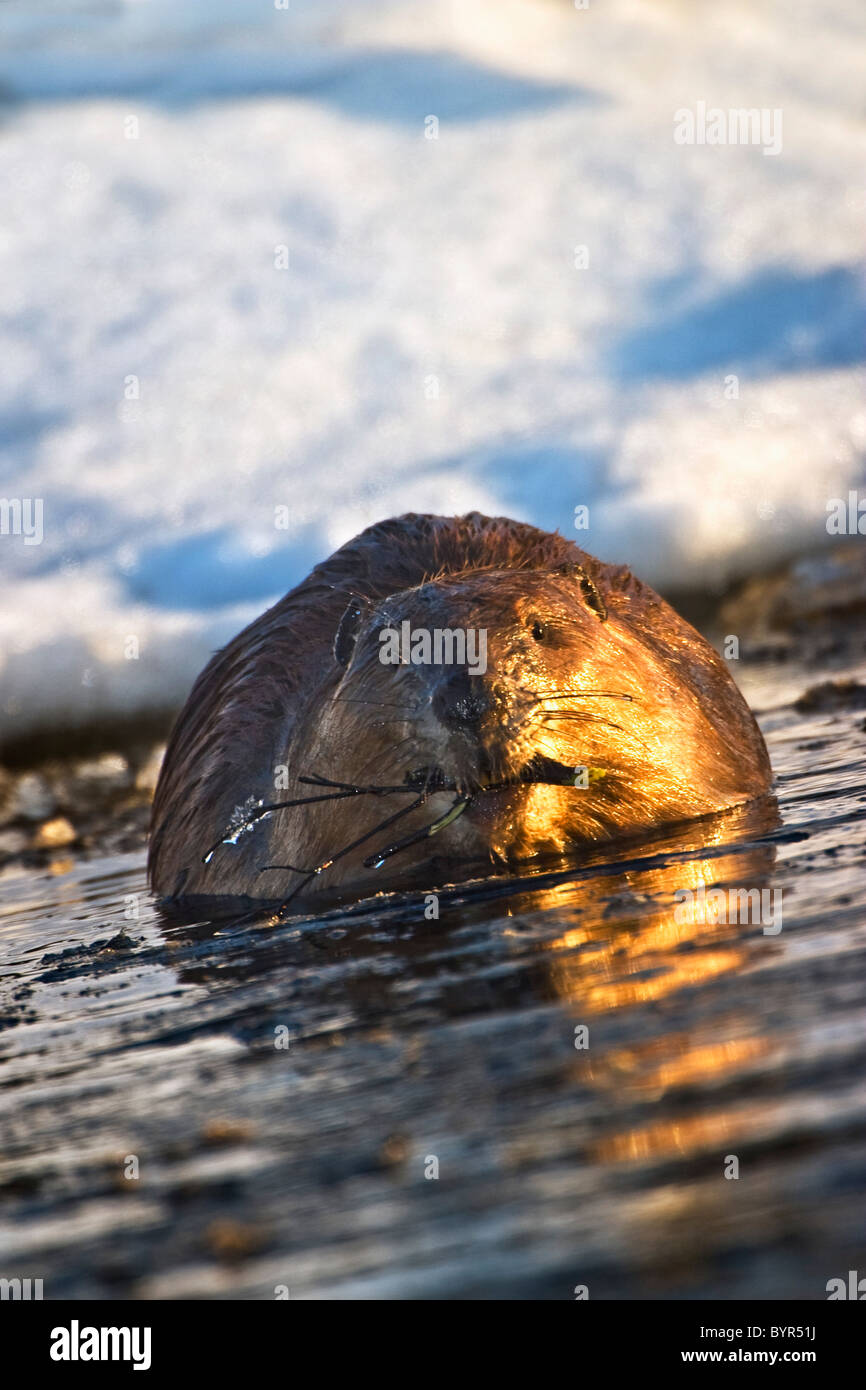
203,425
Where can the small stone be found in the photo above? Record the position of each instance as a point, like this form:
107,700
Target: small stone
33,799
233,1241
110,770
13,841
58,867
219,1132
54,834
121,942
395,1150
837,694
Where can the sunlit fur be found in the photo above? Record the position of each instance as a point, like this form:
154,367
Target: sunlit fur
624,688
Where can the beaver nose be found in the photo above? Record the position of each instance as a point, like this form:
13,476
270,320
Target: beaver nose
461,700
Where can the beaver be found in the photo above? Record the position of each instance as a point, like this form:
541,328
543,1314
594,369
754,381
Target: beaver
347,742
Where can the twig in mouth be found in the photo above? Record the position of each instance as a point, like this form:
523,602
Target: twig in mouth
457,807
233,831
422,783
310,874
351,789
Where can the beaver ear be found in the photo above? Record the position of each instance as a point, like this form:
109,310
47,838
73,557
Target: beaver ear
588,588
348,629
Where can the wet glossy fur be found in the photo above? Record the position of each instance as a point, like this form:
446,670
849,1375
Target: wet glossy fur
587,666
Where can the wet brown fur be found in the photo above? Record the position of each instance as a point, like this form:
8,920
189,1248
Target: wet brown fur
277,696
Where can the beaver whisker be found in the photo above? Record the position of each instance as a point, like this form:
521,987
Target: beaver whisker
375,758
292,868
585,695
557,715
539,695
379,704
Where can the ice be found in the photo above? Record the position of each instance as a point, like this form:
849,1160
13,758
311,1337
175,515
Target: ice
202,425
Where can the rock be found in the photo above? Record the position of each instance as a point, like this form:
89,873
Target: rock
813,609
13,842
223,1132
831,695
394,1151
54,834
32,799
58,867
232,1241
802,592
111,770
121,942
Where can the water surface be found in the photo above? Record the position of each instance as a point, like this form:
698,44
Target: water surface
418,1046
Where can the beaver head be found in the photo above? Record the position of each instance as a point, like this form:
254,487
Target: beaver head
485,713
526,693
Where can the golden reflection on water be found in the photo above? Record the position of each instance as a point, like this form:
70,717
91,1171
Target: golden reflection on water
689,1135
643,957
634,944
638,1067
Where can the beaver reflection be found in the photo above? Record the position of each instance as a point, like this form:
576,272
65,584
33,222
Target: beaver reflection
304,763
464,1026
600,938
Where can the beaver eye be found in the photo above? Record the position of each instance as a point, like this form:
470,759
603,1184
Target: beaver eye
538,630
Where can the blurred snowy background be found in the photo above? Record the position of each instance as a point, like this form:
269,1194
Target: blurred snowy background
238,276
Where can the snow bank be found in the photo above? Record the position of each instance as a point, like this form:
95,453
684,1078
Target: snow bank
250,306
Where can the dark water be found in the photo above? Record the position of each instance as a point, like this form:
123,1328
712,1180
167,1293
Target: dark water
417,1044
